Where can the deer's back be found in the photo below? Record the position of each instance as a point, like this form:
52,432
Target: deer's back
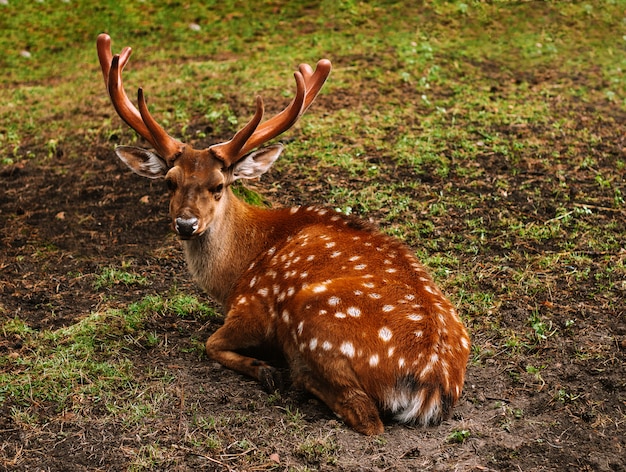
336,294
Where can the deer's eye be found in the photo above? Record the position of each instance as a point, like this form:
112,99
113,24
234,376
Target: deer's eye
171,185
217,191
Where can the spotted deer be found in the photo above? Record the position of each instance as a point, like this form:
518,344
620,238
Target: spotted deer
359,320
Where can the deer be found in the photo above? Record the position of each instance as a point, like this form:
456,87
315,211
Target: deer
360,322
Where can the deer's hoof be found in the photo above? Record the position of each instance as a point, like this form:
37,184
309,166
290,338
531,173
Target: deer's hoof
270,379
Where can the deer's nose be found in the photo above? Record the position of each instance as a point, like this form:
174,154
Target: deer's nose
186,227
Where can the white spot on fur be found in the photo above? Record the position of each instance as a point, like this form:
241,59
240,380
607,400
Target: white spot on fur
375,296
242,300
300,327
388,308
354,312
347,348
263,291
285,316
319,288
391,271
327,346
253,281
360,266
358,293
330,244
313,344
374,360
340,315
410,297
368,285
354,258
390,351
335,254
385,334
334,301
310,258
419,334
401,362
415,317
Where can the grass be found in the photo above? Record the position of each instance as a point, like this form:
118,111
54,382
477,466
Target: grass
481,133
90,363
110,276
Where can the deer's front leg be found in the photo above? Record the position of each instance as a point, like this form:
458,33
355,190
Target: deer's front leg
243,330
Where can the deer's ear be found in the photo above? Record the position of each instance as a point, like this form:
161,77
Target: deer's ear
256,163
143,162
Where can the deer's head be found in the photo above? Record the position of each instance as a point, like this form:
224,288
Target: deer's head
198,178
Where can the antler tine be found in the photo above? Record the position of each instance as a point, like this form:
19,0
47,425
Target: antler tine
166,146
111,67
314,80
229,151
140,120
280,122
122,104
103,45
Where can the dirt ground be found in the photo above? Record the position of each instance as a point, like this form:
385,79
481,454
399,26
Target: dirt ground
71,216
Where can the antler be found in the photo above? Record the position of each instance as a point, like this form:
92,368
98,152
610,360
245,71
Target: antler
308,85
140,120
252,135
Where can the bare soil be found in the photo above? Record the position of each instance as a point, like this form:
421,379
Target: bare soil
63,219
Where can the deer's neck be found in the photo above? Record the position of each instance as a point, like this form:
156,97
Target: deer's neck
219,257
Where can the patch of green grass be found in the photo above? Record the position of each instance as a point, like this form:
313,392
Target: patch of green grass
459,436
86,364
319,450
248,195
188,306
64,367
541,330
111,276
